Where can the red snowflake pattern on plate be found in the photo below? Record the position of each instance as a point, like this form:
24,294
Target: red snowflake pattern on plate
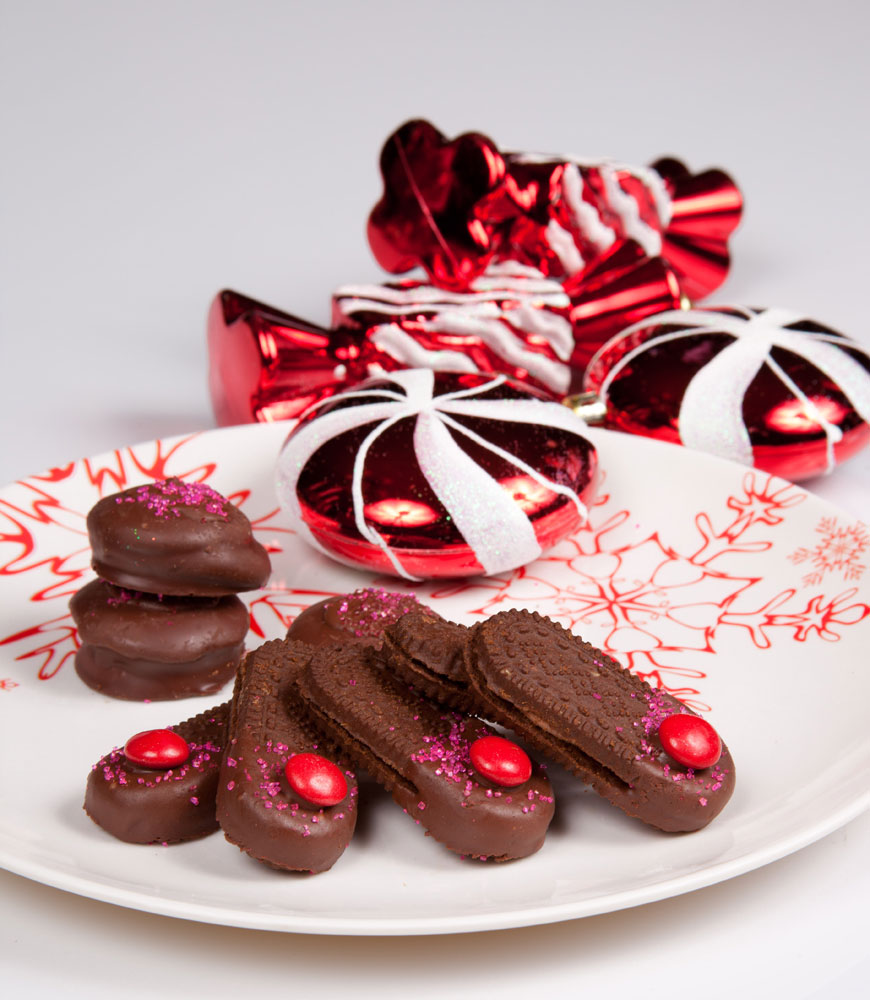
665,581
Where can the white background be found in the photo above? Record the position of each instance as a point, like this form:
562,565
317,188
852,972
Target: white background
154,153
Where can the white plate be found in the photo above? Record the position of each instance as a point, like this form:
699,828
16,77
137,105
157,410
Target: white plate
736,591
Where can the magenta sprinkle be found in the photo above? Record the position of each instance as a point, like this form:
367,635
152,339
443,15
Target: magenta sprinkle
165,498
366,613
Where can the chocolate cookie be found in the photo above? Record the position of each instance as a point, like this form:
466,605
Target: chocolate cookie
358,617
140,647
578,706
173,537
428,652
148,805
423,755
270,800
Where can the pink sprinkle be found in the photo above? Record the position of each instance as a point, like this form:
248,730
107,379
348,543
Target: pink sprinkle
702,800
421,805
230,785
194,801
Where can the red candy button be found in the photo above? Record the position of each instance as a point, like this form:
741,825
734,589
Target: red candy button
316,779
691,741
501,761
158,748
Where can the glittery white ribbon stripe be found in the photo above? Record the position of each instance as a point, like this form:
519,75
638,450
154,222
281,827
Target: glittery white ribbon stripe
498,532
711,411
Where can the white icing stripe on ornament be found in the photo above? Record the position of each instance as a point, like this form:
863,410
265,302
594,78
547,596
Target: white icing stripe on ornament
554,329
493,525
561,242
585,215
501,340
651,179
711,417
401,347
627,211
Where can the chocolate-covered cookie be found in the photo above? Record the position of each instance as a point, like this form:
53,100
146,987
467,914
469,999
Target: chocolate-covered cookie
423,755
358,617
141,647
174,537
284,796
141,803
578,706
428,652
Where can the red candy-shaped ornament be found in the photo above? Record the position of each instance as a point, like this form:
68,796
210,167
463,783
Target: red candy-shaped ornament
690,741
157,748
502,762
425,474
316,779
764,387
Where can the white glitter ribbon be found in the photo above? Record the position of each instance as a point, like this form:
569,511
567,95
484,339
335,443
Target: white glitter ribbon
711,411
498,532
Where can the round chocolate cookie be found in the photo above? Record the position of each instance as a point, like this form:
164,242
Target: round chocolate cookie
141,647
358,617
178,538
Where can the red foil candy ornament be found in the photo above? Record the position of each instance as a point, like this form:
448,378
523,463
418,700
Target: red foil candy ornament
424,474
764,387
512,319
431,185
267,365
456,206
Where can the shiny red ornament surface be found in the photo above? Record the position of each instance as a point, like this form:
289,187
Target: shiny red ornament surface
765,387
502,762
431,185
267,365
512,319
157,748
690,741
316,779
426,474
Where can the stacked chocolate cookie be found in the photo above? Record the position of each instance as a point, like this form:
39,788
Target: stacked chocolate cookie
163,620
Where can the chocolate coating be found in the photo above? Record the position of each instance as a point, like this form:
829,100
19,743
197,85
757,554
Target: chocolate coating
257,809
171,537
137,646
420,753
143,805
358,617
575,704
131,679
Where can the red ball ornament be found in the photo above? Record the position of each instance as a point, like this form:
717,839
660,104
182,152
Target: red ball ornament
425,474
316,779
502,762
690,741
512,319
157,748
764,387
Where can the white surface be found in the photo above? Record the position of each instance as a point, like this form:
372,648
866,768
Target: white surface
157,152
801,773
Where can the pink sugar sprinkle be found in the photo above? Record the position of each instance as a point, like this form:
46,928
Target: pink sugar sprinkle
166,497
367,612
702,801
230,785
421,805
194,801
